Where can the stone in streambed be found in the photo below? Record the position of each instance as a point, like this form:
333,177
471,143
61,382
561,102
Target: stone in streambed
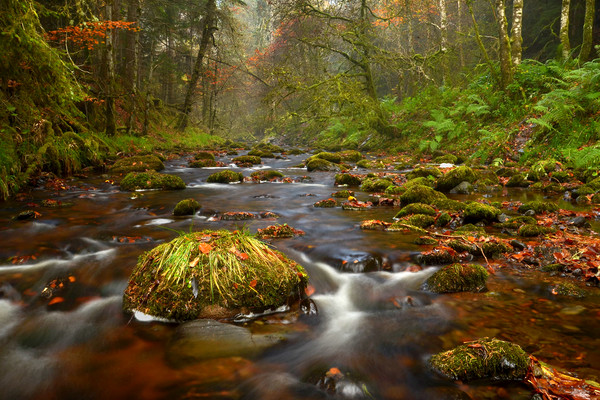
454,177
186,207
226,176
458,278
151,180
137,164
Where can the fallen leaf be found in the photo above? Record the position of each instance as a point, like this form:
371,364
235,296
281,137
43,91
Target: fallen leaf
205,248
253,283
56,300
309,290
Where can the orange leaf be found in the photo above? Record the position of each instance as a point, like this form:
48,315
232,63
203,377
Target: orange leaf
56,300
309,290
253,283
242,256
205,248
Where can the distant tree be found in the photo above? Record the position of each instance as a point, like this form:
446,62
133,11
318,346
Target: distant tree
516,37
564,29
588,28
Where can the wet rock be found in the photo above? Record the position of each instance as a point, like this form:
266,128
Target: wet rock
204,155
454,177
421,194
517,245
244,160
261,153
470,229
366,164
503,218
343,385
186,207
475,212
493,249
538,207
212,274
482,359
425,240
203,164
226,176
437,257
327,203
343,194
580,222
424,172
348,180
443,219
27,214
375,185
278,231
151,180
205,339
355,205
266,175
237,216
569,289
529,213
415,208
530,230
449,205
360,263
137,164
458,278
553,268
351,155
374,225
463,188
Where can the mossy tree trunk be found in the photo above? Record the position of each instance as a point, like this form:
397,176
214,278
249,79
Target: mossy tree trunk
208,28
109,83
564,29
132,57
588,28
516,37
506,65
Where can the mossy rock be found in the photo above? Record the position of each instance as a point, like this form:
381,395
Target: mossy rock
394,190
295,152
584,190
553,187
204,155
518,180
226,176
461,246
319,164
553,268
151,180
458,278
375,185
485,358
425,241
443,219
421,180
415,208
487,178
494,249
419,220
212,274
569,289
366,164
530,230
538,207
327,203
449,205
331,157
270,147
562,176
437,256
254,160
266,175
137,164
421,194
351,155
424,172
452,178
516,222
348,180
470,228
475,212
446,158
342,194
186,207
506,172
595,199
203,164
261,153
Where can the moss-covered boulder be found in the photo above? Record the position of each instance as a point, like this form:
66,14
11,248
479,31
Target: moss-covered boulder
394,190
452,178
186,207
458,278
375,184
424,172
475,212
482,359
212,274
331,157
318,164
516,222
443,219
470,229
261,153
151,180
518,180
366,164
561,176
421,194
225,176
421,180
245,160
419,220
569,289
446,159
266,175
538,207
203,164
415,208
204,155
327,203
137,164
351,155
348,180
342,194
530,230
449,204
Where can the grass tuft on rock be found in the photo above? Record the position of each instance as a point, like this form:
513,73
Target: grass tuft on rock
151,180
209,273
482,359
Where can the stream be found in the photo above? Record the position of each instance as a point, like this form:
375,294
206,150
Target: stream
63,334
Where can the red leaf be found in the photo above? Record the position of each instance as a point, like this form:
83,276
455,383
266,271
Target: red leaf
205,248
253,283
56,300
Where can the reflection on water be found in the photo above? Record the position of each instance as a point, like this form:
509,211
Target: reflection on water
374,324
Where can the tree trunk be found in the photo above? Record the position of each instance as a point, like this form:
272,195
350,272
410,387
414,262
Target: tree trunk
506,68
132,57
482,48
443,39
208,28
459,31
109,99
564,29
516,37
588,27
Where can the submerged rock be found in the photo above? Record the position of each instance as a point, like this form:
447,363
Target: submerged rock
137,164
482,359
186,207
151,180
458,278
212,274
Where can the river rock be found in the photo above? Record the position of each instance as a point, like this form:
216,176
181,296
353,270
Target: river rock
463,188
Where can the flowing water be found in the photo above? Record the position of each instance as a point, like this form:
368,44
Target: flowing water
63,334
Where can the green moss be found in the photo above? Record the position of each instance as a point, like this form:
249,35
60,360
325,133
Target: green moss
266,175
415,208
425,241
203,164
561,176
443,219
424,172
137,164
261,153
204,155
530,230
327,203
584,190
487,178
342,194
553,187
493,249
351,155
569,289
518,180
421,180
331,157
452,178
482,359
318,164
151,180
270,147
348,180
458,278
538,207
198,275
366,164
247,160
446,158
295,152
475,212
470,228
461,246
449,205
419,220
375,185
395,190
596,198
186,207
226,176
421,194
516,222
553,268
437,257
